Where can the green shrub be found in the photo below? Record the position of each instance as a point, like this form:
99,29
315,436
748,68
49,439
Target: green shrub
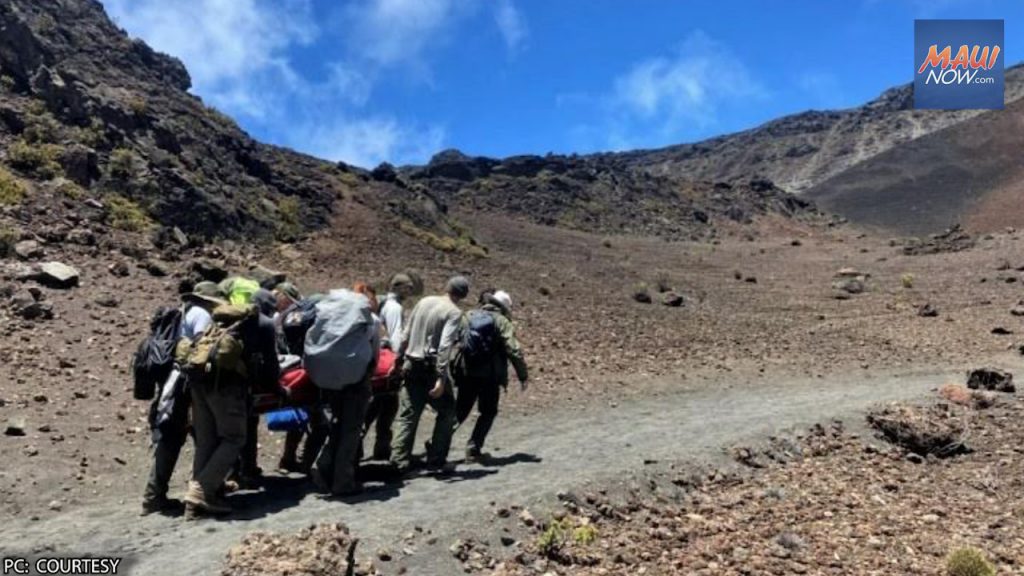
553,538
289,224
127,215
94,136
907,280
12,190
585,535
41,128
463,243
138,105
8,238
969,562
70,189
37,159
7,82
122,164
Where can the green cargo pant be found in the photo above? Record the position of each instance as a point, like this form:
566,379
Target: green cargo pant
219,419
413,398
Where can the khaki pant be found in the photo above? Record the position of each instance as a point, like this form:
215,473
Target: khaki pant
219,414
413,398
338,459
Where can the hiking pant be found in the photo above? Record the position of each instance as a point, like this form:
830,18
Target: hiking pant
167,443
382,411
339,457
220,416
248,466
414,396
301,447
485,393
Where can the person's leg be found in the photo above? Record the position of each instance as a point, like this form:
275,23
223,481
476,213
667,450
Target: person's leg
248,470
388,405
351,412
203,428
228,404
170,439
490,393
468,392
289,455
319,426
444,427
412,400
323,469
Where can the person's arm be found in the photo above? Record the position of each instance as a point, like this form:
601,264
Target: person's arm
392,316
270,366
512,349
448,337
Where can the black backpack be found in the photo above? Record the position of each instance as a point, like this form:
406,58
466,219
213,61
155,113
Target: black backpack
296,321
154,358
480,337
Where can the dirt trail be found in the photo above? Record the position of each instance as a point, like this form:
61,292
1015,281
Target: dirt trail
543,453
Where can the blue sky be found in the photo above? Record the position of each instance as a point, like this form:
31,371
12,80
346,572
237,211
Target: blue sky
371,80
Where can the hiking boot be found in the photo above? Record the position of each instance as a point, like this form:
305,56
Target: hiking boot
197,503
160,505
474,455
289,466
441,468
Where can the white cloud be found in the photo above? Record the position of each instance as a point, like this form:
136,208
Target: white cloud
687,88
511,24
370,141
235,50
238,54
388,32
664,100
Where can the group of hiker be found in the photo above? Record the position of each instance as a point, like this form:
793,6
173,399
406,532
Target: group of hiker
325,369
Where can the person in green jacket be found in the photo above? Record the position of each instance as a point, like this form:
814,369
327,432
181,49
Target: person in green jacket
483,378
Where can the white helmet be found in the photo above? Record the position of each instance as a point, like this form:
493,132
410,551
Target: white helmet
503,299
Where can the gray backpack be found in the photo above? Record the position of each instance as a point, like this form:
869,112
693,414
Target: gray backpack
338,348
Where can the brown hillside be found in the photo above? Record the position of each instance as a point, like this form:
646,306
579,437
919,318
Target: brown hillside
969,173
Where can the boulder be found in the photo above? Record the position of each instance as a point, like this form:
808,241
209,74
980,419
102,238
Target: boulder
672,299
850,281
119,269
642,296
208,270
991,379
57,275
155,268
28,250
266,277
977,399
15,427
927,311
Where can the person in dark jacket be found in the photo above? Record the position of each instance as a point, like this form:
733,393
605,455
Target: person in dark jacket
247,474
483,378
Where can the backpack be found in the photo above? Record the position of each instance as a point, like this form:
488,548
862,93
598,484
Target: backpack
479,337
154,358
338,350
296,321
239,290
220,348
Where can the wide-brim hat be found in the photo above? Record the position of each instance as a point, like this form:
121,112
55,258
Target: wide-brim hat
206,293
